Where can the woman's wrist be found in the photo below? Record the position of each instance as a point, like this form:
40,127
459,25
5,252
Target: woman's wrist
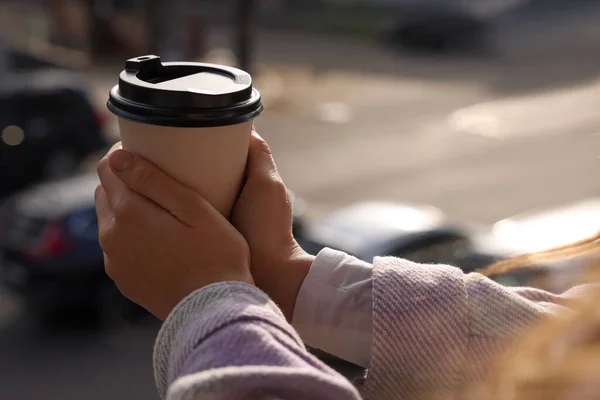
282,277
298,267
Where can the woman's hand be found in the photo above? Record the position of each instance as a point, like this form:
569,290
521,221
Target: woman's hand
263,214
162,240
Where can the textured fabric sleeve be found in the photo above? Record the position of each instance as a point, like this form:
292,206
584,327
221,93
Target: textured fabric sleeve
334,308
229,341
436,329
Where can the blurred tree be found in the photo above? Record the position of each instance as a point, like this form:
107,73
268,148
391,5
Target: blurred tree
195,36
177,29
244,33
104,39
156,28
68,24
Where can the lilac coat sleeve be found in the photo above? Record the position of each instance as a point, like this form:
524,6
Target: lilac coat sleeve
436,329
229,341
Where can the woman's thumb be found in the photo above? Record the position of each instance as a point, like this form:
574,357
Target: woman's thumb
260,159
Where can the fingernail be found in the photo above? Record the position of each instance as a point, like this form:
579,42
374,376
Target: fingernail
120,160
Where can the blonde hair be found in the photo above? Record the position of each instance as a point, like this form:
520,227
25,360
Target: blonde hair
586,246
560,357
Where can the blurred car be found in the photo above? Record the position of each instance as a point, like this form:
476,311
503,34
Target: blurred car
49,252
420,233
47,127
438,30
444,26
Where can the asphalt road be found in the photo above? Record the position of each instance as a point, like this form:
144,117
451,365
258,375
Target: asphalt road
481,138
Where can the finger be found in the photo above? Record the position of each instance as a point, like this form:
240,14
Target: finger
114,188
111,271
103,164
261,164
120,196
149,181
123,201
104,211
105,214
116,146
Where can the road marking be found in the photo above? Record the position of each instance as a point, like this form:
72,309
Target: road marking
540,113
478,121
334,112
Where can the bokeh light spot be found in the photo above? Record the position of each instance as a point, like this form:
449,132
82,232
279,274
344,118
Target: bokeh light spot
13,135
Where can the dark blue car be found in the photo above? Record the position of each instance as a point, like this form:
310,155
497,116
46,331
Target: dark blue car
49,252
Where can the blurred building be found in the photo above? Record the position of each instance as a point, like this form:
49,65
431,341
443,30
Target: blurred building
106,29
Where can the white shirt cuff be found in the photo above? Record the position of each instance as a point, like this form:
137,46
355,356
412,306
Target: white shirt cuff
334,308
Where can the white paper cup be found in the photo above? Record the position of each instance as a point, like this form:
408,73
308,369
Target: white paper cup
209,160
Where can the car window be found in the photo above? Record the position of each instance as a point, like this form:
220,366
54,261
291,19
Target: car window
8,108
60,104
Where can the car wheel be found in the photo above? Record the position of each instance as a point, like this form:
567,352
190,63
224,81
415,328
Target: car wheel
52,316
114,308
111,306
98,309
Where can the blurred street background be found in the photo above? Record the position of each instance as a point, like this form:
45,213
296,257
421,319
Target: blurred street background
484,109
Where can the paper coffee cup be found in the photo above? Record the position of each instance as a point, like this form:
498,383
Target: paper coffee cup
192,120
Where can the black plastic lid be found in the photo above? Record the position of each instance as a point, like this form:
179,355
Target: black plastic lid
183,94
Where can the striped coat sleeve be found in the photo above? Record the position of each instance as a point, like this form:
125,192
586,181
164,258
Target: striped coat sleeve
435,329
228,341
